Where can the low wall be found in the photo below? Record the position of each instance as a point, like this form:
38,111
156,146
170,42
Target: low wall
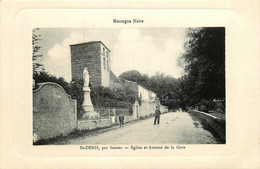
216,124
127,119
107,112
84,124
54,112
125,112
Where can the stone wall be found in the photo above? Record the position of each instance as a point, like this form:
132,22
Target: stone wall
54,112
106,66
217,125
94,124
113,114
126,120
87,55
107,112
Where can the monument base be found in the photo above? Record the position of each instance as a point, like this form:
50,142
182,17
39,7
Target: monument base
91,115
90,124
88,108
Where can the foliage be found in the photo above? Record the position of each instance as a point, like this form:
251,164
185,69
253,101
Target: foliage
37,67
132,75
135,76
76,93
206,105
105,97
204,64
43,76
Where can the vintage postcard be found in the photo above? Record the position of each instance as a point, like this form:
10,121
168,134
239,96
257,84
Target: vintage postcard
143,88
112,88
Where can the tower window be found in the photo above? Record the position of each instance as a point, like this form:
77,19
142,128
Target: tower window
107,54
107,66
104,51
104,61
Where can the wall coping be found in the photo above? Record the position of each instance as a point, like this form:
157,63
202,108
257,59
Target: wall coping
214,117
50,83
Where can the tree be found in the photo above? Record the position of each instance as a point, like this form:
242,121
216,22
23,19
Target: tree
132,75
204,64
37,67
43,76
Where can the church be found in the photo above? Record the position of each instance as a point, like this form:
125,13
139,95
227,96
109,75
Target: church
95,55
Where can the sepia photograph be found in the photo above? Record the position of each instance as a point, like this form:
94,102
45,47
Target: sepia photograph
114,86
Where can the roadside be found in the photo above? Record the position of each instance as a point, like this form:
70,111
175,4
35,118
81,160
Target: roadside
174,128
214,122
81,133
222,116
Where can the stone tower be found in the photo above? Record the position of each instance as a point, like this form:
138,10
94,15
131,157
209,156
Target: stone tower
96,57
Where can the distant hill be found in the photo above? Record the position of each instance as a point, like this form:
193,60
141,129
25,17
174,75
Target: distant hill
132,75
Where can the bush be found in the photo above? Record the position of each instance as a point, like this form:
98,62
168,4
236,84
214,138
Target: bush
76,93
46,77
206,105
220,106
100,97
106,97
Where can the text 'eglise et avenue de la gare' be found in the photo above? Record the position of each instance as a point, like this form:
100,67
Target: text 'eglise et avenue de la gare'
128,21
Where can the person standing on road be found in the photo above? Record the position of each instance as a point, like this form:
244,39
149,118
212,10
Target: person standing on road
121,120
157,115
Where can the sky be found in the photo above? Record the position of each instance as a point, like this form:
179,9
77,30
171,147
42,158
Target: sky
147,50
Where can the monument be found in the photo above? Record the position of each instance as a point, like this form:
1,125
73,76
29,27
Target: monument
87,105
90,119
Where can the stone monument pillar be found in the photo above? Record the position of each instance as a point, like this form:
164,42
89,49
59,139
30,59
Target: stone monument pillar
87,103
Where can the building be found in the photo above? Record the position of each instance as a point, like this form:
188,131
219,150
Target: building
142,92
96,57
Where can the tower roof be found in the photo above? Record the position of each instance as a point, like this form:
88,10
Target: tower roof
84,43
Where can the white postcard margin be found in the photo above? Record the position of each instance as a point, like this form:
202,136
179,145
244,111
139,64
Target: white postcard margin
242,146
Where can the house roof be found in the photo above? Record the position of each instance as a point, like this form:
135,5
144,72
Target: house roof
129,81
113,77
84,43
